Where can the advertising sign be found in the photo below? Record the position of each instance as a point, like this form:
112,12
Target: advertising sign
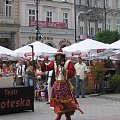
45,24
16,99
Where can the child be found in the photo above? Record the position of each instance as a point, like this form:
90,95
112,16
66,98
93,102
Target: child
40,91
37,89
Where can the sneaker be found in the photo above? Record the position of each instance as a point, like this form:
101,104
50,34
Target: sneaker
48,103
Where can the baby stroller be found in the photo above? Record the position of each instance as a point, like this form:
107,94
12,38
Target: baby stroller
40,91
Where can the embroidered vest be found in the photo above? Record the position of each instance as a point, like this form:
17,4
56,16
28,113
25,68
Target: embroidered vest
59,71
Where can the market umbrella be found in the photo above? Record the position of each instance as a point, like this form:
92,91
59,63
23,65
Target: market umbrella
4,50
87,45
115,45
39,49
6,54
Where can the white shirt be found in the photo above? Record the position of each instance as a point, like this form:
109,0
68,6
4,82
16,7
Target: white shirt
0,71
80,70
19,70
50,73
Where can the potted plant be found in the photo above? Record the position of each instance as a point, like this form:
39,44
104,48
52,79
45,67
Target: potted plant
98,69
115,83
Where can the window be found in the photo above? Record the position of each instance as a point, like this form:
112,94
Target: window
92,3
117,3
82,2
65,0
91,31
1,6
108,24
107,3
31,16
65,18
99,27
91,28
118,25
49,16
81,28
99,3
8,8
87,3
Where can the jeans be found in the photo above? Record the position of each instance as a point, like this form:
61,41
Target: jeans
80,85
28,82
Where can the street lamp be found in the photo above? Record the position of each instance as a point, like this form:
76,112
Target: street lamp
33,70
105,13
75,20
37,27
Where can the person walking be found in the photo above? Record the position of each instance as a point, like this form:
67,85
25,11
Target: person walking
81,73
62,98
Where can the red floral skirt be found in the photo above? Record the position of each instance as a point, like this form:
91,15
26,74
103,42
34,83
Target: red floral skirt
62,98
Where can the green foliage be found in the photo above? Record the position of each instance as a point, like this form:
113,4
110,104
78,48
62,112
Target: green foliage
98,69
107,36
108,63
115,82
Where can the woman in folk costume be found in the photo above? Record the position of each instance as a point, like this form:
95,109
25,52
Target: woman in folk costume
62,98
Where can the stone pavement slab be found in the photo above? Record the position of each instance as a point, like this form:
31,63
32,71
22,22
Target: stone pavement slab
95,108
114,97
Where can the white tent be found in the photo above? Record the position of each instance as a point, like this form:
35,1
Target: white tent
38,47
87,45
115,45
5,54
71,48
4,50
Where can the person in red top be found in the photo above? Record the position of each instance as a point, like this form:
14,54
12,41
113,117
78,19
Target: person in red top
62,98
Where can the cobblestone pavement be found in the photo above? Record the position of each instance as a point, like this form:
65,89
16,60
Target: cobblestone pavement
95,108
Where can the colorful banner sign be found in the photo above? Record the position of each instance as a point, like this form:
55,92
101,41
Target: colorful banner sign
45,24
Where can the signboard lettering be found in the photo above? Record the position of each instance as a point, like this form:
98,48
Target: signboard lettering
64,41
21,98
45,24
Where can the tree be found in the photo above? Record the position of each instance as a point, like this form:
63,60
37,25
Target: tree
107,36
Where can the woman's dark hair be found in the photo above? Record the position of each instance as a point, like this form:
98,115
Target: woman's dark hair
26,64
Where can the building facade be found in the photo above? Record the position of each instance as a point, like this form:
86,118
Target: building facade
9,23
93,16
55,21
61,22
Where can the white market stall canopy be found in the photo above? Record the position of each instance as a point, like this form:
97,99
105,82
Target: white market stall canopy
4,50
6,54
87,45
115,45
38,47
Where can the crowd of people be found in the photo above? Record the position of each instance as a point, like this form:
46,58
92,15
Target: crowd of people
23,74
51,80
